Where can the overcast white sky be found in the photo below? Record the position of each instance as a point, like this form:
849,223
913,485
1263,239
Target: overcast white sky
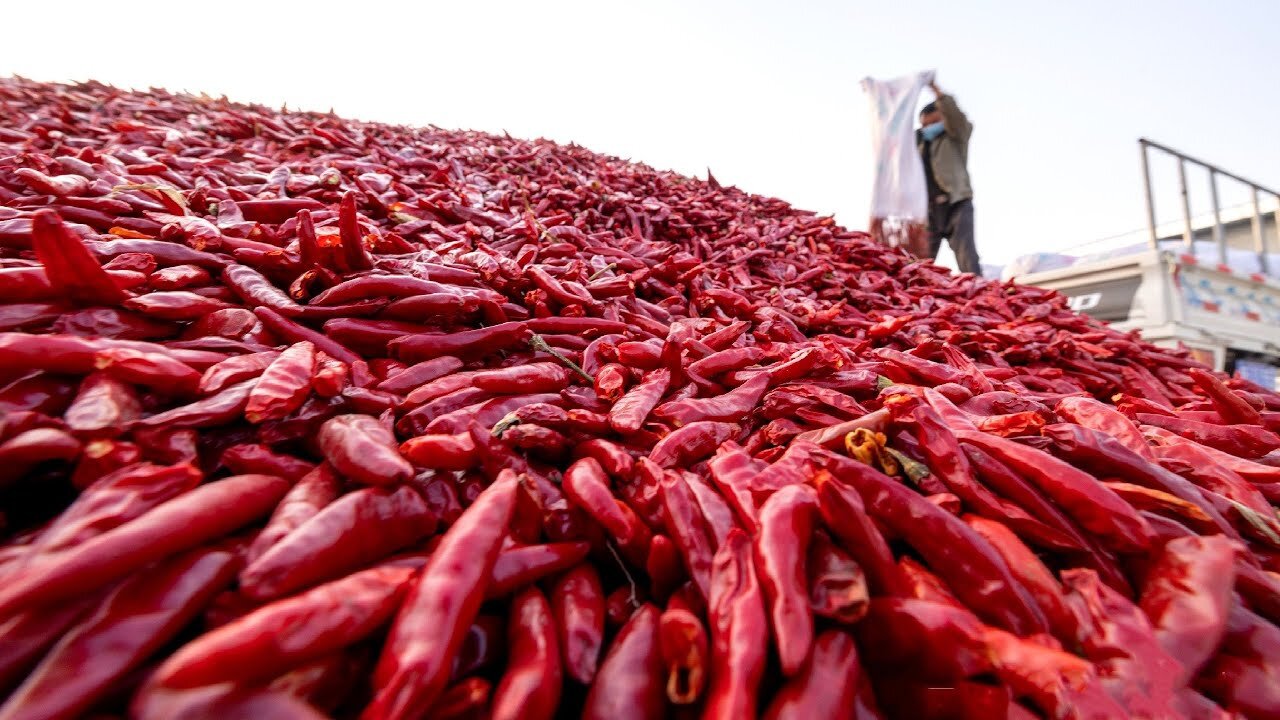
764,93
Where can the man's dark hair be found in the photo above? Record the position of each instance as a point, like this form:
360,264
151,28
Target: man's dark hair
928,109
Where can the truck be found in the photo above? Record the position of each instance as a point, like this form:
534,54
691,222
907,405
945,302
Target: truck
1210,284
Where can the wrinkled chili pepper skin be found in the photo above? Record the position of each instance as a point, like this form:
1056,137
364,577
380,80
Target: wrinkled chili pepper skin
688,528
836,583
781,549
441,604
630,681
322,620
1187,596
363,449
138,618
739,631
284,384
828,686
530,688
577,604
629,412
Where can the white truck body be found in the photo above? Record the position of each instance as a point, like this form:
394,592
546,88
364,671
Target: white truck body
1226,317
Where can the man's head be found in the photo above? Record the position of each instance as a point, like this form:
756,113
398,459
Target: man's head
929,114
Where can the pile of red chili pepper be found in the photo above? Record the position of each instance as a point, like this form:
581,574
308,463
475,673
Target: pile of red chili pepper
310,417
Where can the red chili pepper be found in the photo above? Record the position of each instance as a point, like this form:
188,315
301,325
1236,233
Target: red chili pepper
731,406
485,341
837,586
305,499
1244,441
612,457
1032,574
284,384
205,513
102,407
149,369
251,458
133,622
71,270
739,631
347,534
322,620
586,485
1187,597
28,635
691,443
1096,416
530,688
420,374
292,332
1096,508
611,382
630,411
518,567
828,687
688,527
630,683
577,603
1102,454
732,470
363,449
1230,405
442,452
845,516
414,666
782,546
970,566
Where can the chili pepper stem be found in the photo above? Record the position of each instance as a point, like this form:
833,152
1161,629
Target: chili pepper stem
602,271
631,581
537,343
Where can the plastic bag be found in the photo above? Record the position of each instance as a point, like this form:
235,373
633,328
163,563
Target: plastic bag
899,197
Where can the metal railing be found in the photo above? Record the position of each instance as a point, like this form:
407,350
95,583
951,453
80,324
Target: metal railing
1219,237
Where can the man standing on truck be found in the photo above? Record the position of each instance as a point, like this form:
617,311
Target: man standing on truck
943,140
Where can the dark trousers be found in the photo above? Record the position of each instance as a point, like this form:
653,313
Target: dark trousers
955,223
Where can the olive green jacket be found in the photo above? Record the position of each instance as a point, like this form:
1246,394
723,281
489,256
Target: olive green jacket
949,152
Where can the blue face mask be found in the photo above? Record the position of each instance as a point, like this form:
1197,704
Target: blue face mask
931,131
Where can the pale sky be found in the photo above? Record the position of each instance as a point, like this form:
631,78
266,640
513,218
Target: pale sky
766,94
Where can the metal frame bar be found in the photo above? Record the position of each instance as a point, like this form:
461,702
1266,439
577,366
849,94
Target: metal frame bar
1219,237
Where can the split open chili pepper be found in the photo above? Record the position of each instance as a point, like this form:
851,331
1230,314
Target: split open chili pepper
441,604
682,640
102,407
